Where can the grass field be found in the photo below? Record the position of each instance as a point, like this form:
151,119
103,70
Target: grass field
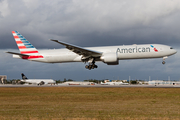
54,103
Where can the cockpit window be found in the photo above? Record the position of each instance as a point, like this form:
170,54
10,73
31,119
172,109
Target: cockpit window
171,48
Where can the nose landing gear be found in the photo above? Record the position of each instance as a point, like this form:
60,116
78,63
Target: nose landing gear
164,58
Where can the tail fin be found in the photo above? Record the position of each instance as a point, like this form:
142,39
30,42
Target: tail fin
23,76
25,47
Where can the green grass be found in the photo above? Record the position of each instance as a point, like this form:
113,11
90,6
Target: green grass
53,103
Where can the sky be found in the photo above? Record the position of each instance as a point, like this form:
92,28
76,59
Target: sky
87,24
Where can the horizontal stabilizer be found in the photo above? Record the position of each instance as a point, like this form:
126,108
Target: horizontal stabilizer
17,53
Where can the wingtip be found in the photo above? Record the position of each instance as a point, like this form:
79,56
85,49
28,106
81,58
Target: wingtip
7,52
53,40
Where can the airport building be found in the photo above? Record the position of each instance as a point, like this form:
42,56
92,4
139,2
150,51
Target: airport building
162,82
3,79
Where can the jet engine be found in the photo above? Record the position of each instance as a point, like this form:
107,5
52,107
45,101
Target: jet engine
110,58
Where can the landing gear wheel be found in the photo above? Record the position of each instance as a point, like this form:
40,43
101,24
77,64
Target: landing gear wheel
163,62
91,65
86,66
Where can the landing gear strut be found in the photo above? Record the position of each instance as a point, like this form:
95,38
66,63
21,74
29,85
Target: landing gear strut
164,60
91,65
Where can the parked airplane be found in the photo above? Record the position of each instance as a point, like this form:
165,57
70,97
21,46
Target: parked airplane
37,81
107,54
109,82
112,83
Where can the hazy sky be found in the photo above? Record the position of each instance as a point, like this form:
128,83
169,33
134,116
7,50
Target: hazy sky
90,23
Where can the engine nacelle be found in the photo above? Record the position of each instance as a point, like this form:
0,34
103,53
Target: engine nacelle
110,58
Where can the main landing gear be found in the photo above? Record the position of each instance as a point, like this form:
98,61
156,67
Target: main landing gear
91,65
163,62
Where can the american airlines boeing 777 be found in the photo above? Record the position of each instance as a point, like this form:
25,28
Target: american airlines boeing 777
107,54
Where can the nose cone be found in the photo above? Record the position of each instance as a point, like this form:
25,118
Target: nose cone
174,51
171,51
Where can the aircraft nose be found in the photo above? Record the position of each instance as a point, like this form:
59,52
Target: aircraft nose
174,51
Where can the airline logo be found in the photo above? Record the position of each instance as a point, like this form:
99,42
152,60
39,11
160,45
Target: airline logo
25,47
154,48
136,49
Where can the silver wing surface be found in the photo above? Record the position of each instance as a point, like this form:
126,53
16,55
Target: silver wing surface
79,50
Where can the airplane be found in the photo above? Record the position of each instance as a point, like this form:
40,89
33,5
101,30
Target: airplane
114,83
107,54
37,81
109,82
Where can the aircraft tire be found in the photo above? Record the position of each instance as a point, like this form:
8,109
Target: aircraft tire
87,67
90,67
95,66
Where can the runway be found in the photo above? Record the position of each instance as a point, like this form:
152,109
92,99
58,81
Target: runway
95,86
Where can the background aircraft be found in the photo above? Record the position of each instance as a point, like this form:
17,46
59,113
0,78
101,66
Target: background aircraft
107,54
37,81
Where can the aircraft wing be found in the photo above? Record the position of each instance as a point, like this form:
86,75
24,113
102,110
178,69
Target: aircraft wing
79,50
17,53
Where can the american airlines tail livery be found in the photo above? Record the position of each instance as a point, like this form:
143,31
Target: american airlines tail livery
107,54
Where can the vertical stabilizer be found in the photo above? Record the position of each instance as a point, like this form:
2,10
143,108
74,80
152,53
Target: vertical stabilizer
23,76
25,47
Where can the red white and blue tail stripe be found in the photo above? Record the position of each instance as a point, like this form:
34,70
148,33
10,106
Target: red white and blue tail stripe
25,47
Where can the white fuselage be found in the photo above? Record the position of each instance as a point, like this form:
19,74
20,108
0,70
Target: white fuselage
112,83
144,51
107,54
37,81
